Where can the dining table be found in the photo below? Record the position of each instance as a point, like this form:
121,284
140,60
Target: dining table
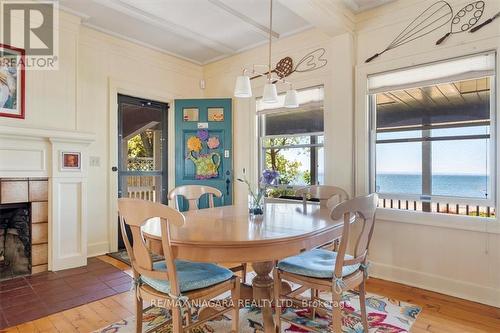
229,234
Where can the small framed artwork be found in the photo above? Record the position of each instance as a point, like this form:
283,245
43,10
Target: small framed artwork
12,77
70,161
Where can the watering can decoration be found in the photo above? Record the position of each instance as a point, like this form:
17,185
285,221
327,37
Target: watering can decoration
207,165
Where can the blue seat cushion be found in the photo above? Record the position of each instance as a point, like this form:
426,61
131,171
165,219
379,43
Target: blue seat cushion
316,263
191,276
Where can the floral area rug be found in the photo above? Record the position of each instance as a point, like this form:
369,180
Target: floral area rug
384,316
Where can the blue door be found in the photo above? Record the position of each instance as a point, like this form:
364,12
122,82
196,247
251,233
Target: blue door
203,146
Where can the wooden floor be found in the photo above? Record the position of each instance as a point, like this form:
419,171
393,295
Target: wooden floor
441,313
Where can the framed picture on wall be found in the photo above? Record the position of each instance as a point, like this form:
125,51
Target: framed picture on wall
71,161
12,77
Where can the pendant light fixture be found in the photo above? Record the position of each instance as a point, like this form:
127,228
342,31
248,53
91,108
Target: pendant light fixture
291,99
243,87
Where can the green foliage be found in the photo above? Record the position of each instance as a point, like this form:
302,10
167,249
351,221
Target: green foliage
288,169
281,192
307,177
141,145
136,147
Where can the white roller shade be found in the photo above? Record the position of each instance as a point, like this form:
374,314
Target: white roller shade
441,72
309,99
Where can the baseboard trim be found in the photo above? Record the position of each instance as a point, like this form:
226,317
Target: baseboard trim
97,249
461,289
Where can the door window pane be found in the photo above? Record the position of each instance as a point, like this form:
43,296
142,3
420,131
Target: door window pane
191,114
215,114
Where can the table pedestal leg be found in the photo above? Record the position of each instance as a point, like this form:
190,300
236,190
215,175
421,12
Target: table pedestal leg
262,292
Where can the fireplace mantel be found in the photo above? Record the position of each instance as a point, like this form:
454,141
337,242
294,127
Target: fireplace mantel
48,134
34,152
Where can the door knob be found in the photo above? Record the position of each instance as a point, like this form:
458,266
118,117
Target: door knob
114,169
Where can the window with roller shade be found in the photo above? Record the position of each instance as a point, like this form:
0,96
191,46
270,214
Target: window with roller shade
291,140
433,145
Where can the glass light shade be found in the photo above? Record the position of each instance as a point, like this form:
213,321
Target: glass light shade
243,88
291,99
270,94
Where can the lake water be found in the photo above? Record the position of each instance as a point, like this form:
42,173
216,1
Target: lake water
471,186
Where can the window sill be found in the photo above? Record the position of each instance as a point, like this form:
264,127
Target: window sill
440,220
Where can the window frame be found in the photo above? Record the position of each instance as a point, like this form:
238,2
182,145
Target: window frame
261,119
491,201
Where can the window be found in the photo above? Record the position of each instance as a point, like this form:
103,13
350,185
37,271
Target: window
432,143
291,140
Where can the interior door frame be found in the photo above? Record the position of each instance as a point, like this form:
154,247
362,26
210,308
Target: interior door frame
122,87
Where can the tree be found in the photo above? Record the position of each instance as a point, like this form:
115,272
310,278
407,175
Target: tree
141,145
288,169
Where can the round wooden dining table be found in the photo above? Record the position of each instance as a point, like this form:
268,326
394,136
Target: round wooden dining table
229,235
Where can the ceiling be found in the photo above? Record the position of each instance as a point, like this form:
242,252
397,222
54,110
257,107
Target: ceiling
361,5
447,103
200,31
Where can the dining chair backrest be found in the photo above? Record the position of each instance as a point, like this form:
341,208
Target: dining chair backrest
193,193
327,195
363,210
135,213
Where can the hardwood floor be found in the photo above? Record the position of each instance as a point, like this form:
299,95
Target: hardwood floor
441,313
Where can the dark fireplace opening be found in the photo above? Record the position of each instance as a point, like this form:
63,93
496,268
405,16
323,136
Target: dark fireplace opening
15,240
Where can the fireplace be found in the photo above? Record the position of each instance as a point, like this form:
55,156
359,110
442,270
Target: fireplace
23,226
15,240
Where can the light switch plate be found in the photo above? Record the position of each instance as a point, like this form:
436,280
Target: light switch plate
226,153
95,161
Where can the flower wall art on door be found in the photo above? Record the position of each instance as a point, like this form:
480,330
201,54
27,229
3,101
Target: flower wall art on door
11,82
206,164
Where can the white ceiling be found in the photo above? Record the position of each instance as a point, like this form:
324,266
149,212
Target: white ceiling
201,31
362,5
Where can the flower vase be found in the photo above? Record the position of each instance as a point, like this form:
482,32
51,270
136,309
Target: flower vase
256,207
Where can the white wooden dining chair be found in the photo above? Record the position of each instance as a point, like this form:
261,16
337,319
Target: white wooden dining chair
335,272
328,196
172,283
193,193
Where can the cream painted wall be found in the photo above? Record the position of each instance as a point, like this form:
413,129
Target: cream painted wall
447,254
337,78
81,96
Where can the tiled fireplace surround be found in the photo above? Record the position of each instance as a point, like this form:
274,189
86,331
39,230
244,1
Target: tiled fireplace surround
35,192
30,171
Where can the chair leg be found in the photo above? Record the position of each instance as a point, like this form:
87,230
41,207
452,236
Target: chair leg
362,305
189,319
277,300
336,313
244,272
336,245
235,297
176,320
314,297
138,315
